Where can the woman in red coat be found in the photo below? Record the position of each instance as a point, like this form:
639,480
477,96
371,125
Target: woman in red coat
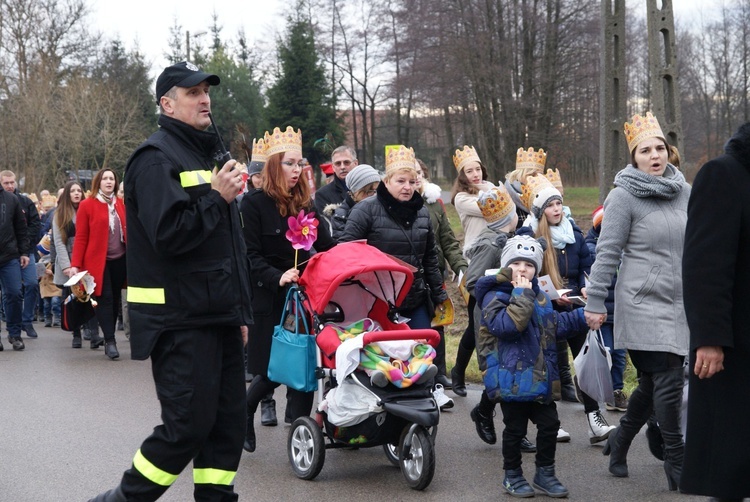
99,248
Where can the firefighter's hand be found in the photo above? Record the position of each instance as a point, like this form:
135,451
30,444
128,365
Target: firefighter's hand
227,181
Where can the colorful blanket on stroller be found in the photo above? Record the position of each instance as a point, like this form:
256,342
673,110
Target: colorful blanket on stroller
403,363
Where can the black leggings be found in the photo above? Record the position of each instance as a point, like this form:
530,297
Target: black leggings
112,283
299,404
468,339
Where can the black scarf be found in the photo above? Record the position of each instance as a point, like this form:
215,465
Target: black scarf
403,212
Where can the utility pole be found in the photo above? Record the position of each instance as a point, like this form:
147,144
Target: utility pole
612,98
662,61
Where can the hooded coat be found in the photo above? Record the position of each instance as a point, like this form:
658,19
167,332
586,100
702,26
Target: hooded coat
716,274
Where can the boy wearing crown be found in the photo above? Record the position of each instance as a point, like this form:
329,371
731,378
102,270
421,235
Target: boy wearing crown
516,345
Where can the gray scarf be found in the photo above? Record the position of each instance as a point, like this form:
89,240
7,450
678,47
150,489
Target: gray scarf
642,185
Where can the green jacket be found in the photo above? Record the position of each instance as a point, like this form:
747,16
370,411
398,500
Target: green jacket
448,247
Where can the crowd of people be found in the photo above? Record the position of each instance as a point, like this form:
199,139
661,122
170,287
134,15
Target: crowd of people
199,242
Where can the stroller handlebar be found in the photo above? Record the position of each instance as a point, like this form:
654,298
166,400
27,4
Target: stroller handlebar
432,336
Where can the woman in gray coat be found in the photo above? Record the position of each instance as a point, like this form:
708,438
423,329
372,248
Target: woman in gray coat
644,226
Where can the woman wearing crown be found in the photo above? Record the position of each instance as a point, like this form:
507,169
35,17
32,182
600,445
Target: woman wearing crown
272,261
645,228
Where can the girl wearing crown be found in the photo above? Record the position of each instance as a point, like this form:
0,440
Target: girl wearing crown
567,260
528,163
272,260
645,228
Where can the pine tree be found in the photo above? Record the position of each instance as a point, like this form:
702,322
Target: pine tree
301,97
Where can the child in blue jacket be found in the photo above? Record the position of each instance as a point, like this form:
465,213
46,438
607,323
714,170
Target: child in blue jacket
517,353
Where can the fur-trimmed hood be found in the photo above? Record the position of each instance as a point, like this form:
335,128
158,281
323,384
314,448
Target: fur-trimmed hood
739,145
328,209
431,192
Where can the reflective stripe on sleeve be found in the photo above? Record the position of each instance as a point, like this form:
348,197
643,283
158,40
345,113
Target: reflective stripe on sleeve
151,472
146,295
213,477
193,178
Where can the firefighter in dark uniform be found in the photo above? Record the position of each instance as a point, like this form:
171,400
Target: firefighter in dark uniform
188,295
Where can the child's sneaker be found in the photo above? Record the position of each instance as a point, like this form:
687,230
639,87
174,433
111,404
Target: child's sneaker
443,401
516,485
562,436
546,482
378,379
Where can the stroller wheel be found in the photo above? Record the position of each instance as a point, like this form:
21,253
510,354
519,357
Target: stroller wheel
306,448
417,459
391,453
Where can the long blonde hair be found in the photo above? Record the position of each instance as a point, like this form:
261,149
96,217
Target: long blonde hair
549,261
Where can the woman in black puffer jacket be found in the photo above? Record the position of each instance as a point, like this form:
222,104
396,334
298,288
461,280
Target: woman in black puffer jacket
397,222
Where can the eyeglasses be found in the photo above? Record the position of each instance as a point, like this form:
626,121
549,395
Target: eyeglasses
289,163
370,193
345,163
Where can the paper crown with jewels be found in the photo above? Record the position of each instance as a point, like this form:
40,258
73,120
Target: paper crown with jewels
464,156
496,206
640,128
399,157
531,159
536,193
259,151
279,142
553,175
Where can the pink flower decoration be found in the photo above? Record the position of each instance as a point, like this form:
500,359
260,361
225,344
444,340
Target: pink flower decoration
303,230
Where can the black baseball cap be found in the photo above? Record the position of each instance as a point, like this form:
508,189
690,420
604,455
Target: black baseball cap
182,74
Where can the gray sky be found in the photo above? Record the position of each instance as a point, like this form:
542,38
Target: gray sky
147,22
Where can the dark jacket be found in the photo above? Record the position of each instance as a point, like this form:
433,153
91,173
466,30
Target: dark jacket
574,262
186,259
401,229
332,193
269,254
516,346
33,223
339,215
591,239
14,235
715,278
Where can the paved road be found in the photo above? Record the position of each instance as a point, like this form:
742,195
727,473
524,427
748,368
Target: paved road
72,420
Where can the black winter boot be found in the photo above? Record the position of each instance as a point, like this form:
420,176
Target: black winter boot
458,373
546,482
567,389
268,411
673,465
114,495
654,438
485,424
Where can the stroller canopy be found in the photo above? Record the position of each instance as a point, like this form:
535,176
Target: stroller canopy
354,275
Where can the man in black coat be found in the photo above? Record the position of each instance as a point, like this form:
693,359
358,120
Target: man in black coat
188,295
716,275
28,274
344,159
14,238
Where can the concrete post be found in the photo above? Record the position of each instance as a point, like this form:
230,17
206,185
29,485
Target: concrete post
613,154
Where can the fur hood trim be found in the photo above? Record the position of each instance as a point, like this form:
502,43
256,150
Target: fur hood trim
431,192
328,209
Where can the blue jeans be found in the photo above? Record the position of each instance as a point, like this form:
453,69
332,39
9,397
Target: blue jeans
52,306
619,359
10,281
30,290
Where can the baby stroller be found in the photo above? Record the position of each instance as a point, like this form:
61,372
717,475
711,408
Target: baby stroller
346,284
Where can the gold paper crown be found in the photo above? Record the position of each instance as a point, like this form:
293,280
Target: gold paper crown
533,186
463,157
399,157
530,158
49,201
641,128
259,151
554,177
287,141
496,205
